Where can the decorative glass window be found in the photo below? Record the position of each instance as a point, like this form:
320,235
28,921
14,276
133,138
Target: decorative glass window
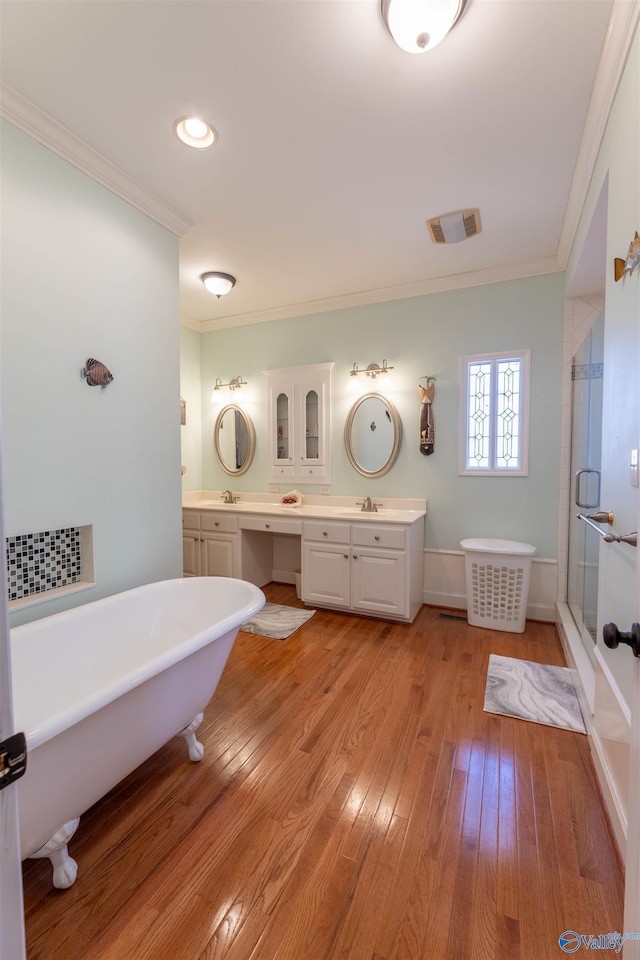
494,414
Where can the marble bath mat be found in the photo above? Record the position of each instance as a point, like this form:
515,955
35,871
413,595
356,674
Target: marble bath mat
533,691
277,621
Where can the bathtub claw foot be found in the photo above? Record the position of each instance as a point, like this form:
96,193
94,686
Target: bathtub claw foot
196,750
65,868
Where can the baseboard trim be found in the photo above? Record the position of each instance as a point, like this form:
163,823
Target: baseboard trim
610,795
458,601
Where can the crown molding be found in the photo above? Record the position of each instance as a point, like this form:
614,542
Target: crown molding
190,323
32,120
623,22
461,281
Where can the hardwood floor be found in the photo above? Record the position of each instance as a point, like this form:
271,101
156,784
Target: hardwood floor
354,801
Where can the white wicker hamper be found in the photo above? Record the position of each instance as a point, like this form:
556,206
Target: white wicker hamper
497,574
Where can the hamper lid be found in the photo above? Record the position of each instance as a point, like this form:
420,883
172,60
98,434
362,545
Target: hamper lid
511,547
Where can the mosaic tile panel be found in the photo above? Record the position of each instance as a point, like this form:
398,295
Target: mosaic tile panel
37,562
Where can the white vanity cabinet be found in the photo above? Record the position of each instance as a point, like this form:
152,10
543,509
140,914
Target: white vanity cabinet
299,435
326,563
378,570
209,544
369,567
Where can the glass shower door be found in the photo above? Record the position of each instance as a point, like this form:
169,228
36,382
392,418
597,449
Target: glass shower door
586,442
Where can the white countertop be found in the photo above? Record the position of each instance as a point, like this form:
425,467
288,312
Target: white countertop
321,508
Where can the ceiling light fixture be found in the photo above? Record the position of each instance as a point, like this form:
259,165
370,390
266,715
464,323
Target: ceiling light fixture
418,25
218,283
195,132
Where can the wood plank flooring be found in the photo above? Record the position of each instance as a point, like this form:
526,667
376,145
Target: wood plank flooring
354,801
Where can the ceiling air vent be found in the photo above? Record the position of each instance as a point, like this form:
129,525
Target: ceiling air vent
454,227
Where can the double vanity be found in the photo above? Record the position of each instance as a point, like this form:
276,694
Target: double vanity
369,562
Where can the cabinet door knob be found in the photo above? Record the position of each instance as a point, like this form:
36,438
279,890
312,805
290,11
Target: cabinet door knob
201,539
217,523
324,533
376,538
346,556
267,525
355,556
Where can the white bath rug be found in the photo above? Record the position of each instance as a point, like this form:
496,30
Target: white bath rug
277,621
533,691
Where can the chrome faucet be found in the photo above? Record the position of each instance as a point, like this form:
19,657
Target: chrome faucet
227,497
368,506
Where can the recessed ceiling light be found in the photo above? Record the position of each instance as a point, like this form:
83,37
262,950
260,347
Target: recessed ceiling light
195,132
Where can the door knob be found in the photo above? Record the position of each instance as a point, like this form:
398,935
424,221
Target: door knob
612,637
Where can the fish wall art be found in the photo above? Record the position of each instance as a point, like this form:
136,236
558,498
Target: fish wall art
427,420
96,374
622,267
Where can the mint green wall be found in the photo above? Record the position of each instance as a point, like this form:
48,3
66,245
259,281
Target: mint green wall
84,274
191,392
425,335
618,170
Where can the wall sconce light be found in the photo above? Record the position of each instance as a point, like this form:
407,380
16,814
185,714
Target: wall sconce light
373,370
234,384
218,283
418,25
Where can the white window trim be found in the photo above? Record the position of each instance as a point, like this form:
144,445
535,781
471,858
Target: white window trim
525,357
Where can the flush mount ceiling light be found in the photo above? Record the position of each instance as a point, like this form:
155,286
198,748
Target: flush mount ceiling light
195,132
418,25
218,283
456,226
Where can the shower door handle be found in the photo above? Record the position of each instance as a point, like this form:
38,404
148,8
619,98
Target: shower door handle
579,503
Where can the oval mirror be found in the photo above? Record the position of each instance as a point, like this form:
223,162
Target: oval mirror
235,439
372,435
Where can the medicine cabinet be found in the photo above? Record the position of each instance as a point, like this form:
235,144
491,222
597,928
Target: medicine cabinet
299,429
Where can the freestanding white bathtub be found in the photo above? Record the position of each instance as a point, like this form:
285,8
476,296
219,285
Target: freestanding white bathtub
98,689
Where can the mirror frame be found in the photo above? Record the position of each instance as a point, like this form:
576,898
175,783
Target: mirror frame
251,439
397,433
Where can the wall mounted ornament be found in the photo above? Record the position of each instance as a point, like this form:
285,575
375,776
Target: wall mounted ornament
96,374
427,421
621,267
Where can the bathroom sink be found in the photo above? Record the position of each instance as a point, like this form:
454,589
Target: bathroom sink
361,514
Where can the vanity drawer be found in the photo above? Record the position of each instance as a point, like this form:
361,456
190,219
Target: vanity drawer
272,525
219,522
370,535
191,519
317,472
326,532
279,471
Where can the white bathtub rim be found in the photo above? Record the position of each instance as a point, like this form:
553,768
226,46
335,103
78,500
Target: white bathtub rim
55,724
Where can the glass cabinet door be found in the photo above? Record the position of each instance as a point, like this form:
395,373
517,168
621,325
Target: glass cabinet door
282,427
311,425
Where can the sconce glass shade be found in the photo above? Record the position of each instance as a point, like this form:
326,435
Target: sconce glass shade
419,25
218,283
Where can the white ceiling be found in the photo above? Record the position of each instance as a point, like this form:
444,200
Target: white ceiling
334,145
